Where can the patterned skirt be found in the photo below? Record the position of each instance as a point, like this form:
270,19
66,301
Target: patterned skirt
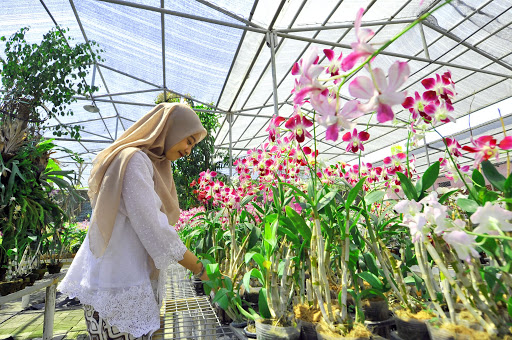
100,329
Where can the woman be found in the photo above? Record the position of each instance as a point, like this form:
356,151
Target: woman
119,272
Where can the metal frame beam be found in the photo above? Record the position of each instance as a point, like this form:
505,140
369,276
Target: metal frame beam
341,26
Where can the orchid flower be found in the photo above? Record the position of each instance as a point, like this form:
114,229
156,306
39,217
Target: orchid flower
336,121
415,105
463,244
485,148
382,94
309,70
453,146
335,64
491,219
361,48
451,169
355,140
413,218
440,111
395,161
442,86
298,125
273,128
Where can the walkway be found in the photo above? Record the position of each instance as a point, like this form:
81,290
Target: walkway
183,315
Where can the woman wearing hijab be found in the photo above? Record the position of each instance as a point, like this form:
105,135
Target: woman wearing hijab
119,272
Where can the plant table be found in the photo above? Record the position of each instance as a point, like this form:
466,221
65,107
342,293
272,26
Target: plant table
50,283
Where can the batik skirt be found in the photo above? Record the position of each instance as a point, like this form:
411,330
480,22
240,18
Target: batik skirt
100,329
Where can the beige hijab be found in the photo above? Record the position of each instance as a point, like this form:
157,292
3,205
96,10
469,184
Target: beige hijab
155,133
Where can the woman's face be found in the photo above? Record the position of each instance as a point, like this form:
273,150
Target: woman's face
181,149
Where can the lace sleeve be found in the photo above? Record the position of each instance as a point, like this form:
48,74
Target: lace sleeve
143,211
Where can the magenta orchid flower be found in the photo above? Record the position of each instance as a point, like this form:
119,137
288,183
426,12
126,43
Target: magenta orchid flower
442,86
415,105
335,64
298,125
385,95
453,146
361,48
395,162
355,140
273,128
440,111
484,148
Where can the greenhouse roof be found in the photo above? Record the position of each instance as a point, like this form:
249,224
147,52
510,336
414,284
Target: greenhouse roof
236,56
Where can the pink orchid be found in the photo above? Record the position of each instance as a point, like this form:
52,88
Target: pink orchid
273,128
361,48
396,162
335,65
374,174
485,148
298,124
382,97
415,105
442,86
308,70
453,146
440,111
335,122
355,140
451,169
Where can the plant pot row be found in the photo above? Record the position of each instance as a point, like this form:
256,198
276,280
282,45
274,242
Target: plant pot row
19,283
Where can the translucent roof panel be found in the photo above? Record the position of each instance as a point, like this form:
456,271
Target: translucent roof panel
219,53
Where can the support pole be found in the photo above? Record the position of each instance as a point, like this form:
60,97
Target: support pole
230,120
49,311
424,41
271,42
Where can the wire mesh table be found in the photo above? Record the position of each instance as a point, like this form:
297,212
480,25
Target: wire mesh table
184,315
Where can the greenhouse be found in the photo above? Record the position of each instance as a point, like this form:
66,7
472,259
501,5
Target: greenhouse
270,169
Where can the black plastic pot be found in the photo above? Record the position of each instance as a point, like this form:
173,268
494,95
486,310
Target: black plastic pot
307,330
240,324
376,309
382,328
412,329
249,334
54,268
198,287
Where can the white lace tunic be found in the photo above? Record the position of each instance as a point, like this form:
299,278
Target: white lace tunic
118,284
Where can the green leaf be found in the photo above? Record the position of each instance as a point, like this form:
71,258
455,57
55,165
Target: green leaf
430,176
467,205
326,200
221,298
447,195
354,192
374,196
369,259
257,257
407,187
493,176
299,223
509,307
478,178
247,277
262,304
372,279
